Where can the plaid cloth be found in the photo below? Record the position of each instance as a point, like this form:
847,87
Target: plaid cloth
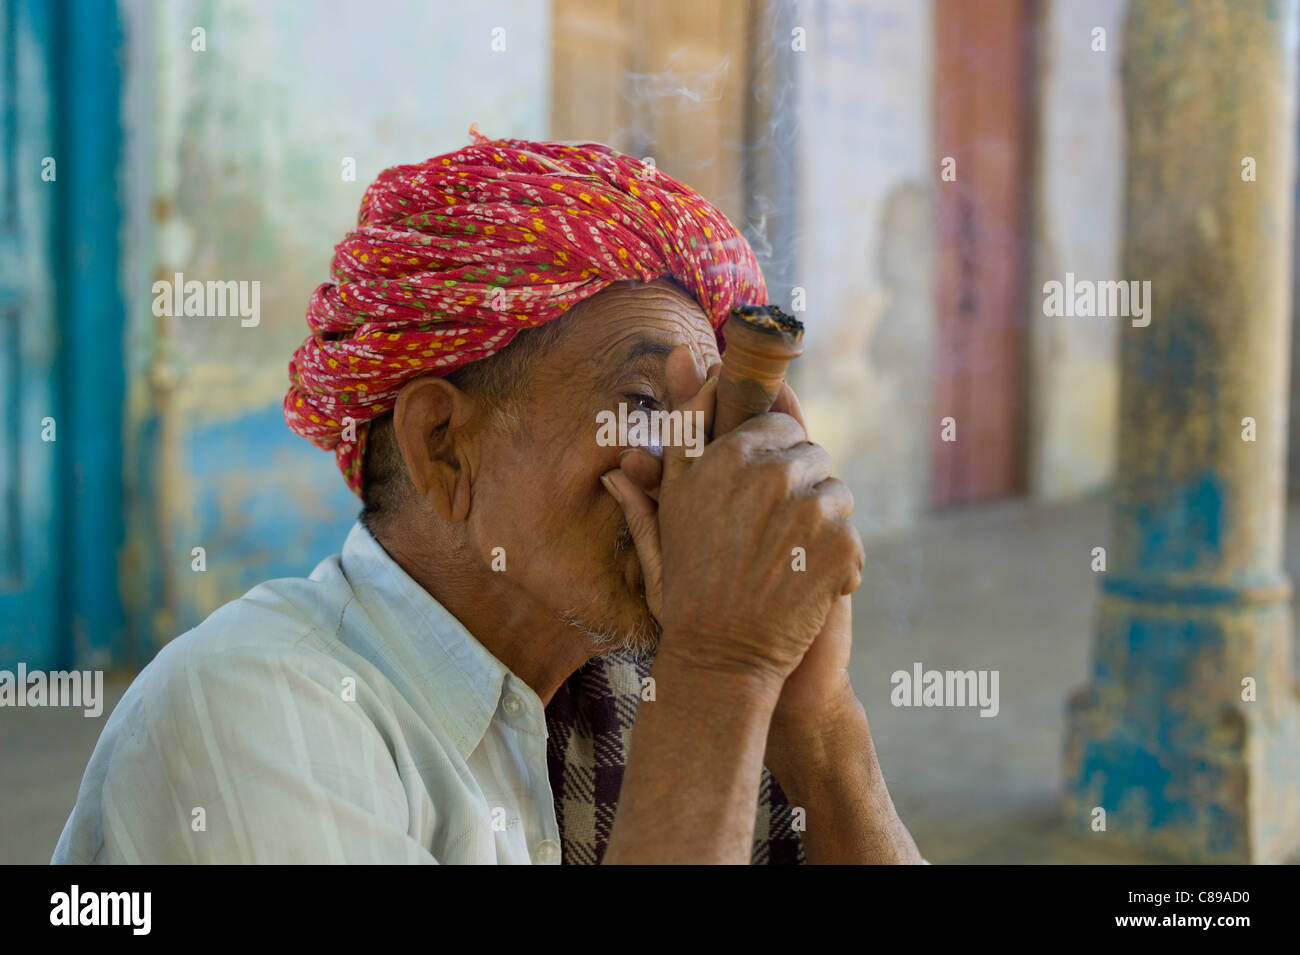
589,721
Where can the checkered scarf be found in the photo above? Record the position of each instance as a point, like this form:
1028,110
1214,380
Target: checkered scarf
590,721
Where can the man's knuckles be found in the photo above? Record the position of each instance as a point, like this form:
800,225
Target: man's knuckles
769,431
834,498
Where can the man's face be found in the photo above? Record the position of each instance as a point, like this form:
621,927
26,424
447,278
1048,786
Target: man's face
538,493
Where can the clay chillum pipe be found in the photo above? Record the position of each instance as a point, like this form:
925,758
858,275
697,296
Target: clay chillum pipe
761,341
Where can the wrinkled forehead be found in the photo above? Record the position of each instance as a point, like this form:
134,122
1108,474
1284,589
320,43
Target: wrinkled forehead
626,313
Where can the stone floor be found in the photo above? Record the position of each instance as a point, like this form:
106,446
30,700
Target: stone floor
1003,587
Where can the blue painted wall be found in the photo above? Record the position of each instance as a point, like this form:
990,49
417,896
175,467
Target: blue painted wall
266,504
63,342
88,222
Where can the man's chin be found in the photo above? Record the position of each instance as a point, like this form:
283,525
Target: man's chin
638,638
635,634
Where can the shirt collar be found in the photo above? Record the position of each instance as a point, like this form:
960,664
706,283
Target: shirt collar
457,676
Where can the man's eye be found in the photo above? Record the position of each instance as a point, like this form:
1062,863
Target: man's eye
644,402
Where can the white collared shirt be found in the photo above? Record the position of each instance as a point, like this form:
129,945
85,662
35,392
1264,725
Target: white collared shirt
342,718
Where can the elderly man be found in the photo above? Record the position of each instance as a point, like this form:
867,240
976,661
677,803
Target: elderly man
534,646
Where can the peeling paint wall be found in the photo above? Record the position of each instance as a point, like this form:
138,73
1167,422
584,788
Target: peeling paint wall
235,159
1074,370
865,239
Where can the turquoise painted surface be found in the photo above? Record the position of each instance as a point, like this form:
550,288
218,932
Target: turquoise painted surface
266,504
63,606
91,308
1181,529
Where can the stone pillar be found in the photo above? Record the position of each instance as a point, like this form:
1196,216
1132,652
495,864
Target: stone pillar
1168,737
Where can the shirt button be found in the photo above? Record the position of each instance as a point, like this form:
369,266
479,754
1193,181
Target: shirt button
547,851
512,704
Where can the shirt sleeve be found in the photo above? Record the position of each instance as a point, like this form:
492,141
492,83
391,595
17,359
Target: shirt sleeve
255,756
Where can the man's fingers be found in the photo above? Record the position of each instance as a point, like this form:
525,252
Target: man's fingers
683,375
642,516
764,433
810,465
643,469
706,422
687,393
834,501
787,402
853,580
675,458
835,497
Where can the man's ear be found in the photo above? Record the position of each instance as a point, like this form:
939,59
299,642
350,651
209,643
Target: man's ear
429,421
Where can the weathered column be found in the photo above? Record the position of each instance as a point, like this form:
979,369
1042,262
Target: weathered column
1188,735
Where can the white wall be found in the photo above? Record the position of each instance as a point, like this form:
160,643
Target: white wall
1074,384
865,240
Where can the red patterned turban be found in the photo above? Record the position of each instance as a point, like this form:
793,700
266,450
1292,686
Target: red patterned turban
453,256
